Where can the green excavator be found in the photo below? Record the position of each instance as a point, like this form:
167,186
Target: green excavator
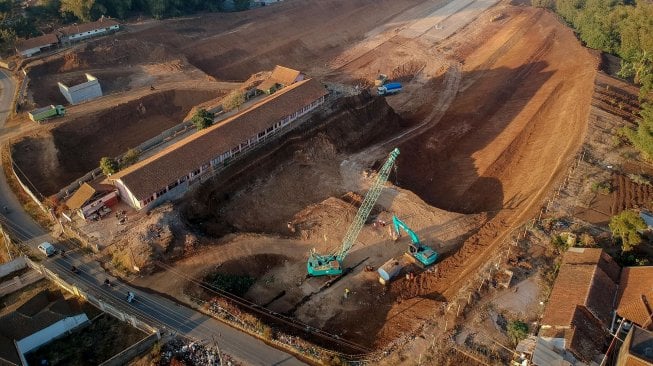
423,253
332,264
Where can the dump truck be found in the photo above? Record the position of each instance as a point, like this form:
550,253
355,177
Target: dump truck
51,111
388,89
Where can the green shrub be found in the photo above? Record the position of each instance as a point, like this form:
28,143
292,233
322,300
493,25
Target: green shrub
517,330
203,119
109,165
602,187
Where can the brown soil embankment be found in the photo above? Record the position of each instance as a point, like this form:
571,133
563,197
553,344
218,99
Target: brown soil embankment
54,158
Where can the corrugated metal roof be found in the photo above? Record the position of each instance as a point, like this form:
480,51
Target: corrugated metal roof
80,197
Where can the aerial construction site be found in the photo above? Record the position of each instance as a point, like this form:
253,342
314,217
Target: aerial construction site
493,110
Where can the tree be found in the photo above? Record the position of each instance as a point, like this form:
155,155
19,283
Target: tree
241,4
130,157
203,119
234,100
80,8
109,165
642,137
517,330
625,226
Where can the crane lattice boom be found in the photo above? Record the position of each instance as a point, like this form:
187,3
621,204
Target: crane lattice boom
366,207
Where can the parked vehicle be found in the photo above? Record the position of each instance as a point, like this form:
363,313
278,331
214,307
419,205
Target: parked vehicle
47,249
51,111
388,89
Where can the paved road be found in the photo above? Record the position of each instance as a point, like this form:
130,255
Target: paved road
151,308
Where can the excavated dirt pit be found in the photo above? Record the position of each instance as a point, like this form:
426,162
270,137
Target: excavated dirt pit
309,184
55,157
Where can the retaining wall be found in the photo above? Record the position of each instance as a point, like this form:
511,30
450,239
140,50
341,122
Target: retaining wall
135,350
15,265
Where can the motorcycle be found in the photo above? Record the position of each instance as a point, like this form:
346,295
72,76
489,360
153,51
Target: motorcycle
131,297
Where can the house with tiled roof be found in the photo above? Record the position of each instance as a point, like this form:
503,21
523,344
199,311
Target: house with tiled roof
579,311
170,173
32,46
36,322
78,32
635,299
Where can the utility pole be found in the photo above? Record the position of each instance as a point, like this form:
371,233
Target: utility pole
217,348
5,238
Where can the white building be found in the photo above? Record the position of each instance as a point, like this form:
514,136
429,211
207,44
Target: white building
83,92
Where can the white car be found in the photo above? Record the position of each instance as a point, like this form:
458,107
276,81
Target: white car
47,249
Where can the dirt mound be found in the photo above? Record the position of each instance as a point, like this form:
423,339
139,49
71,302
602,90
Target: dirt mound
81,143
159,237
296,175
113,52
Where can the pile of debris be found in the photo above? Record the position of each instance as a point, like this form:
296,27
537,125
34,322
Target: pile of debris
159,236
182,352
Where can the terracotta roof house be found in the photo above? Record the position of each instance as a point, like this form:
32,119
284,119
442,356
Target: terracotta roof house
169,173
280,78
36,322
78,32
635,299
581,302
32,46
637,348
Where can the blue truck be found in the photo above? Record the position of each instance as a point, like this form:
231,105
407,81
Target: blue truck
388,89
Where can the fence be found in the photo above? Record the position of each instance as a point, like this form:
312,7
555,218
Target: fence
102,305
13,266
19,282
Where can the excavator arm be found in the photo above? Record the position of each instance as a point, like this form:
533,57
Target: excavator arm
424,254
400,225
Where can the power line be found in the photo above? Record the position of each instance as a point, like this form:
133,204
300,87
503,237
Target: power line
177,321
